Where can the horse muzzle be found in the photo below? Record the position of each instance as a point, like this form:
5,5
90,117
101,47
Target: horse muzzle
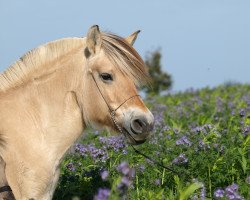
138,126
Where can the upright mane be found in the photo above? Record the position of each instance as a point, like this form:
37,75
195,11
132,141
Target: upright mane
116,48
21,70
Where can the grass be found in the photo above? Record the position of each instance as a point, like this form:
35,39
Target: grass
203,135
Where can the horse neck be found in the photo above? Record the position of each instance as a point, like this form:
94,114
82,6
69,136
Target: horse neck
62,101
55,78
50,97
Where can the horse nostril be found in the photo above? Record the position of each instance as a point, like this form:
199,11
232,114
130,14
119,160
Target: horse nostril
138,126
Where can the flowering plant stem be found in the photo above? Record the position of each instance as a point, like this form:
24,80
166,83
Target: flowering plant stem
210,182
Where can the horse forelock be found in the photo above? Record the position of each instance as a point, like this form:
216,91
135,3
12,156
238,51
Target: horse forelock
125,57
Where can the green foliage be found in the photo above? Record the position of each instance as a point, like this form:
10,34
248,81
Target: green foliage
160,80
187,192
203,135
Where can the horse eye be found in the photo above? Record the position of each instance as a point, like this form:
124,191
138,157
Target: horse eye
106,77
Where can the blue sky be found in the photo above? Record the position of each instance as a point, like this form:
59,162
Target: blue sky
203,42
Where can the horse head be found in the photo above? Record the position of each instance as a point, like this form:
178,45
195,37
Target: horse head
113,71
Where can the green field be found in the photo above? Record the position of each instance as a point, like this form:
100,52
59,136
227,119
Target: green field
203,135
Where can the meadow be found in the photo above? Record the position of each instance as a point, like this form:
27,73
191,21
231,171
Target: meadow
202,135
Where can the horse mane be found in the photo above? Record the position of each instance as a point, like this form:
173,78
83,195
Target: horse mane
122,54
21,70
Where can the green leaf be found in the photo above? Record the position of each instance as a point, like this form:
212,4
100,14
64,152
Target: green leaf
190,190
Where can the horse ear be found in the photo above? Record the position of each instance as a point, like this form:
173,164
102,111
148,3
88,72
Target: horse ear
131,39
94,39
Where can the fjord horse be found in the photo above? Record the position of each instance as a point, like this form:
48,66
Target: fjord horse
50,95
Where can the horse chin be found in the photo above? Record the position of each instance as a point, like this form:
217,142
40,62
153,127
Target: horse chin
131,140
137,142
127,134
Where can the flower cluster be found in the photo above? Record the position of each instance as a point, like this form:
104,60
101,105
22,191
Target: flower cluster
96,153
231,193
183,141
181,159
246,130
158,112
70,166
81,149
203,145
128,175
115,142
200,134
202,195
219,193
104,175
103,194
202,129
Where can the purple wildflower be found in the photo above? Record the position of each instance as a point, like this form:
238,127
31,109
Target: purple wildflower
169,137
242,112
104,175
246,130
126,181
231,105
201,144
70,166
181,159
124,184
203,192
176,131
115,142
208,126
232,192
197,129
202,195
219,193
81,149
231,189
122,188
183,141
215,145
159,122
165,128
123,168
103,194
157,182
222,149
100,154
128,175
95,153
234,197
158,112
132,173
202,129
141,168
124,151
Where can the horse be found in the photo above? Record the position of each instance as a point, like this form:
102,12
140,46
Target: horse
51,94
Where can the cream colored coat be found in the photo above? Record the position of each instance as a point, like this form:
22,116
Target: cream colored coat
47,99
